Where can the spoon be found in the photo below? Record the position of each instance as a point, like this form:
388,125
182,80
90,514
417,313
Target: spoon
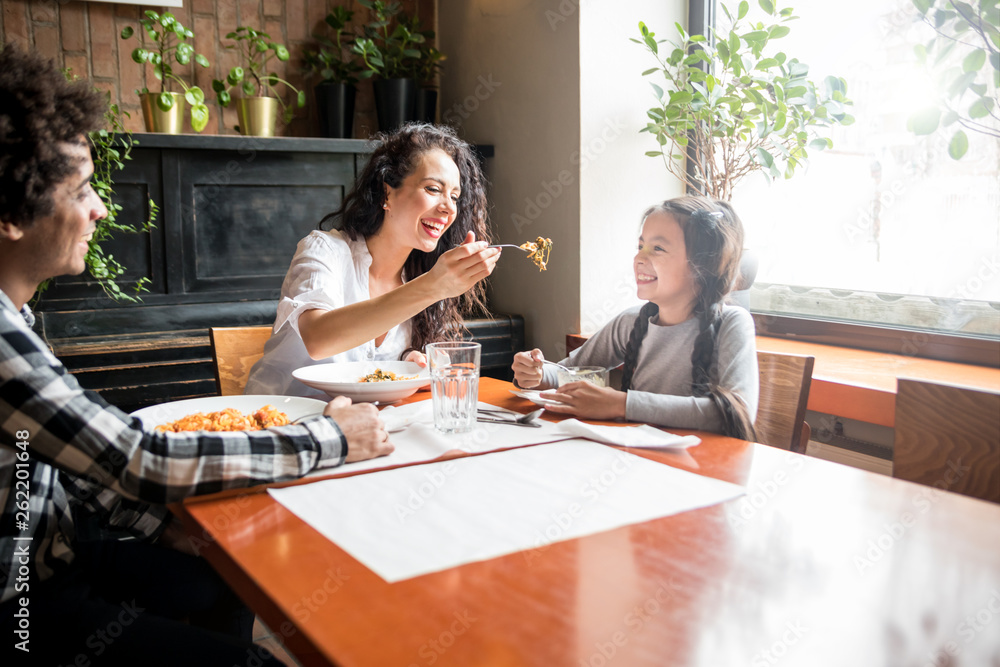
552,363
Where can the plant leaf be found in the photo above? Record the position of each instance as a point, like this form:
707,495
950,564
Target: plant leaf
974,61
199,117
958,145
981,107
165,101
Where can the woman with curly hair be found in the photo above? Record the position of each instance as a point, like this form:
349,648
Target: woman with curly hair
689,360
405,258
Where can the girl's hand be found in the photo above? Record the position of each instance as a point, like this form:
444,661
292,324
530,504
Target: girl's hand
584,399
527,368
420,359
417,357
459,269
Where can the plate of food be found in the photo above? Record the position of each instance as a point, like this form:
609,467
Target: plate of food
228,413
382,381
535,397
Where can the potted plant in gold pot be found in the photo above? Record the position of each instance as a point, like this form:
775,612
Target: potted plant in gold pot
163,111
256,109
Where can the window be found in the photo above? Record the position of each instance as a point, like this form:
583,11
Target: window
885,228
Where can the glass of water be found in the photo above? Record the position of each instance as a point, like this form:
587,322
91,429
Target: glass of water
454,384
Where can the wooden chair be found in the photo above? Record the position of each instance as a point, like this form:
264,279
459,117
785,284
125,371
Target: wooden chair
784,391
948,437
235,350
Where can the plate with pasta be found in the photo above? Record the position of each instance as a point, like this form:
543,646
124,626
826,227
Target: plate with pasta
382,381
228,413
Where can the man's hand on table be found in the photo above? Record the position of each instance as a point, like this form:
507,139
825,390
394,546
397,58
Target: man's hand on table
365,433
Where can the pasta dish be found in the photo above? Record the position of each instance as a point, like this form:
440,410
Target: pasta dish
538,251
379,375
229,419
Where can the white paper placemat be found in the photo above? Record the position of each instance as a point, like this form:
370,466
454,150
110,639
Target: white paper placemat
415,520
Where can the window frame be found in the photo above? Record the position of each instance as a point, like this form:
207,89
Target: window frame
922,343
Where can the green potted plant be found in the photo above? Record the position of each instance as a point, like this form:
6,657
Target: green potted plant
334,63
163,111
964,54
389,50
729,104
257,110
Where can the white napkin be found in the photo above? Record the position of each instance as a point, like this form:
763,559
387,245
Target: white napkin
398,417
628,436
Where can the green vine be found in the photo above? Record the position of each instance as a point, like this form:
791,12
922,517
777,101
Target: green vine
112,146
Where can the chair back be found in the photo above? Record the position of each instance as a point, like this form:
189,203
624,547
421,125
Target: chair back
784,392
948,437
235,350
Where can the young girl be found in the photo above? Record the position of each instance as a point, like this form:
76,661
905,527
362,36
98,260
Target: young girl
396,274
689,359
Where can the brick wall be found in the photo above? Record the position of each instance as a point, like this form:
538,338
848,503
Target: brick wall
85,36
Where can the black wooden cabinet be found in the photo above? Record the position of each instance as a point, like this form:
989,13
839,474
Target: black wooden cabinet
232,210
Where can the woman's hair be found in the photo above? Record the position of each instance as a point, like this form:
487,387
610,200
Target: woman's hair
361,216
39,111
713,239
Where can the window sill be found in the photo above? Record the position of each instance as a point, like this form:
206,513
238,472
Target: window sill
861,384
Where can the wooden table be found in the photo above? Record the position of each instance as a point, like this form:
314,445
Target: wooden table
819,564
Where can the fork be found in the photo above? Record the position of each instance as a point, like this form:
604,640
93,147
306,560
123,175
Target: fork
519,418
497,245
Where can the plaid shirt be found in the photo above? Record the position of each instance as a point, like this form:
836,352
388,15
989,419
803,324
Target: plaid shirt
64,450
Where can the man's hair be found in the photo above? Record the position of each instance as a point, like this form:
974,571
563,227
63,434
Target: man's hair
39,111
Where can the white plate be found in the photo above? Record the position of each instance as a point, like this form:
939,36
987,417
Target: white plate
342,379
535,397
293,406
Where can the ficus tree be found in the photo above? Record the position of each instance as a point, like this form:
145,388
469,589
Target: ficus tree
731,103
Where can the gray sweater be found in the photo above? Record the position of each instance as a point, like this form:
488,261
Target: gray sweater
661,383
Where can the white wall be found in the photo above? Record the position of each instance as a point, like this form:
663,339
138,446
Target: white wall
617,181
555,86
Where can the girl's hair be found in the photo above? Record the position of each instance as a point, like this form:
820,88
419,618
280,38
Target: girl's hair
713,238
361,216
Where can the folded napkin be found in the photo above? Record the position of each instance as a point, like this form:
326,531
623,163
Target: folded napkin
628,436
398,417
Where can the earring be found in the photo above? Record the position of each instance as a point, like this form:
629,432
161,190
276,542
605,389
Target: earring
386,206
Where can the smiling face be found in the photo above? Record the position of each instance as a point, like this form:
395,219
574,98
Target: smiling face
662,271
426,203
57,244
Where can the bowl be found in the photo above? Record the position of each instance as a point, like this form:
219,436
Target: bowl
596,375
344,379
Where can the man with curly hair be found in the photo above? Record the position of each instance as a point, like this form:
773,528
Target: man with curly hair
68,458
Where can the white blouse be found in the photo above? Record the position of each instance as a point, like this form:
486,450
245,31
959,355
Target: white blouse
328,271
